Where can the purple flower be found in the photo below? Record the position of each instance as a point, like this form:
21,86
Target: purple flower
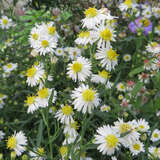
141,23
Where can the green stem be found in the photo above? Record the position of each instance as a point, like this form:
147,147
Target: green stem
48,132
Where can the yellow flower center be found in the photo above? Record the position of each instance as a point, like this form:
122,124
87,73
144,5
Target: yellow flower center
63,150
104,74
112,141
9,65
122,87
154,44
67,110
128,3
0,101
88,95
5,21
156,135
106,34
30,100
125,127
146,22
112,55
141,126
156,151
11,142
45,43
35,36
31,72
43,93
1,95
84,34
75,125
90,13
59,51
83,155
137,147
158,27
77,67
51,30
40,151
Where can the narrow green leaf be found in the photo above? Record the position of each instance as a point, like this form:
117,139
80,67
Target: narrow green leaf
136,71
137,88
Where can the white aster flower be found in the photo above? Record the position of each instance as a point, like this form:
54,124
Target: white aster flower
92,18
46,45
84,37
142,125
37,154
34,74
73,52
17,142
155,135
32,104
127,4
108,58
156,11
5,22
136,147
65,114
155,151
113,158
103,34
153,47
2,134
85,98
59,52
121,87
147,13
71,129
102,77
127,57
79,69
127,128
105,108
43,97
107,139
10,67
157,30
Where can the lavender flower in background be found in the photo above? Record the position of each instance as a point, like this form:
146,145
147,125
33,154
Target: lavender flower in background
141,23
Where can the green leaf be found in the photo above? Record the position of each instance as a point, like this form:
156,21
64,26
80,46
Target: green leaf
137,88
135,71
40,131
65,15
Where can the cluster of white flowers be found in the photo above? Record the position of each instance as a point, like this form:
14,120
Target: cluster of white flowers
8,68
44,38
126,134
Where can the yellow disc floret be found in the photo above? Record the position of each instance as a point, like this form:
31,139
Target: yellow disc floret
11,142
104,74
31,72
45,43
63,150
112,141
35,36
88,95
84,34
67,110
9,65
112,55
76,67
125,127
43,93
90,13
51,30
128,3
106,34
5,21
30,100
137,147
